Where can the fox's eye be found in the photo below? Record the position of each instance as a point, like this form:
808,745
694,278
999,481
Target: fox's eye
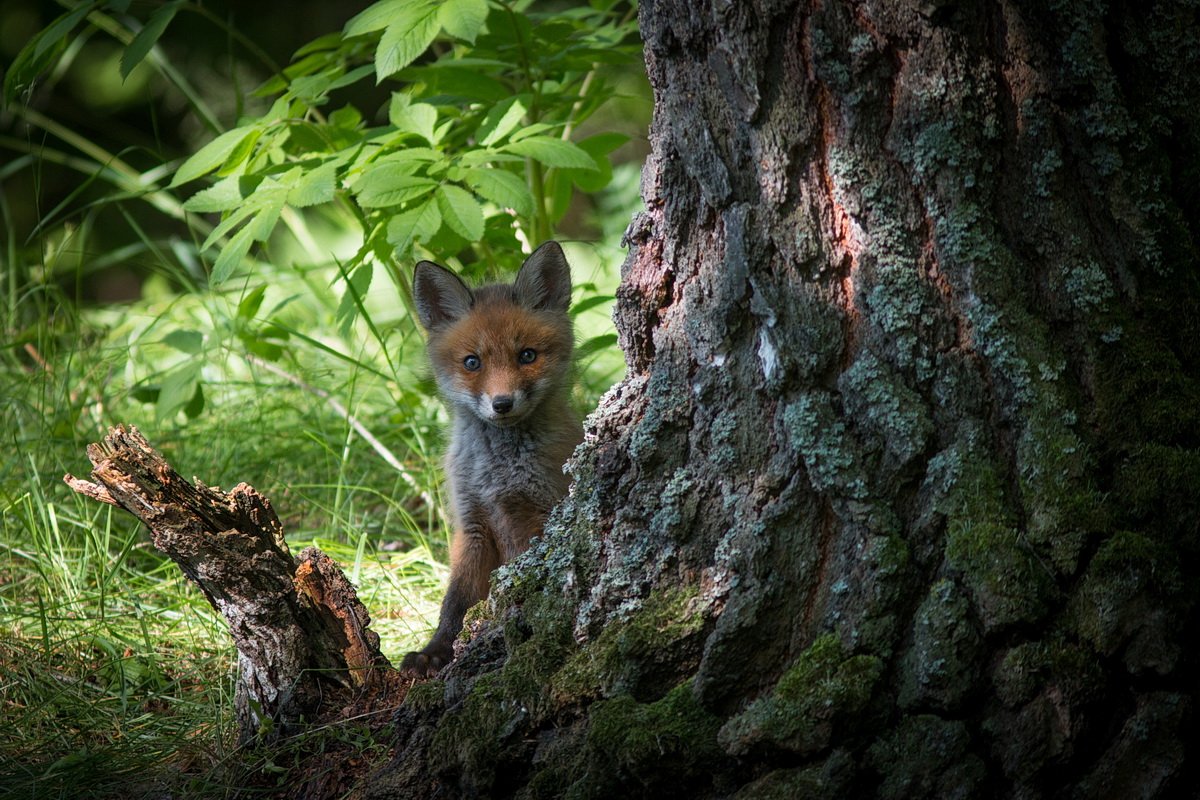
472,363
527,356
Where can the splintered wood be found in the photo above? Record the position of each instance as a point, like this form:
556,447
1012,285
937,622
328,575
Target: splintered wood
305,648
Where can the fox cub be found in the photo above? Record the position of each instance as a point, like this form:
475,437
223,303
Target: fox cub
501,355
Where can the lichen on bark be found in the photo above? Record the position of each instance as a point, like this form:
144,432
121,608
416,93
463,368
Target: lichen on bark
897,498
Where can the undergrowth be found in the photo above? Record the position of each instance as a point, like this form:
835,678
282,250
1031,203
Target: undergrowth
299,372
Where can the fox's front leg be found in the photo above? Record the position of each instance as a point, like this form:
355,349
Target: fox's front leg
473,556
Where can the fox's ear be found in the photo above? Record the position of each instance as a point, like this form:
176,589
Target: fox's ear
440,295
544,281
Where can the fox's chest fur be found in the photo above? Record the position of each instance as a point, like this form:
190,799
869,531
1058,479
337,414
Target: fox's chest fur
496,472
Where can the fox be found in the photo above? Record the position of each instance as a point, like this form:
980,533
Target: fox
502,359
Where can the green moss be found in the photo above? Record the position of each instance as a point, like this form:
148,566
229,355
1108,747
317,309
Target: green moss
662,744
829,779
1062,508
823,688
884,580
926,756
1156,489
477,733
1005,576
1006,581
1144,394
426,695
637,654
1128,598
1032,667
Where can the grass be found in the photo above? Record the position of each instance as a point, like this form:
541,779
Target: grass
117,676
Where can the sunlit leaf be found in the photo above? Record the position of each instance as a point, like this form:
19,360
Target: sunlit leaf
552,152
356,289
224,195
418,118
185,341
250,304
463,18
178,388
380,15
499,121
316,186
417,224
460,212
390,185
231,255
211,156
405,38
503,188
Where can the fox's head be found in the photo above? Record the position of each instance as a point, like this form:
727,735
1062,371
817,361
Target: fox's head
499,350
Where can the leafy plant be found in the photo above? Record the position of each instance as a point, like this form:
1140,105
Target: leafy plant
475,155
462,143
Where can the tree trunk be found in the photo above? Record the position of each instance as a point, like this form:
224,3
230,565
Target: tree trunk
898,497
305,651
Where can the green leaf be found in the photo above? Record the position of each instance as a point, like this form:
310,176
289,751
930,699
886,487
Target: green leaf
224,195
211,156
62,26
231,220
552,152
390,185
460,212
419,223
270,205
598,147
232,255
473,158
185,341
195,406
240,152
463,18
315,186
250,304
356,289
451,82
418,118
590,302
595,345
499,121
40,51
178,388
531,130
147,37
379,16
405,38
503,188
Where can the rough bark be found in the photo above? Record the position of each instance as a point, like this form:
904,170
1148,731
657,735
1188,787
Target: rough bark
898,497
305,651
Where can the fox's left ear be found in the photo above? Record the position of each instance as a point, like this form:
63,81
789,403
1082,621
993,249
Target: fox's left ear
544,281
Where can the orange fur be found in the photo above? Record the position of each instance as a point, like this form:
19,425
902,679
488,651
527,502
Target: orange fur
502,357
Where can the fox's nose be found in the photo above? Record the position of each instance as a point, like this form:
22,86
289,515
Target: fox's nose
502,404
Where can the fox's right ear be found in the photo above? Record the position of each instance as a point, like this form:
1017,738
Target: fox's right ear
544,281
440,295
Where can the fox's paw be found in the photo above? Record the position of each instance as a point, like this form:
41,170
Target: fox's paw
427,662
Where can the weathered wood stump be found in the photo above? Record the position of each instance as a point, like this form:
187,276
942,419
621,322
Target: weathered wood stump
305,651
